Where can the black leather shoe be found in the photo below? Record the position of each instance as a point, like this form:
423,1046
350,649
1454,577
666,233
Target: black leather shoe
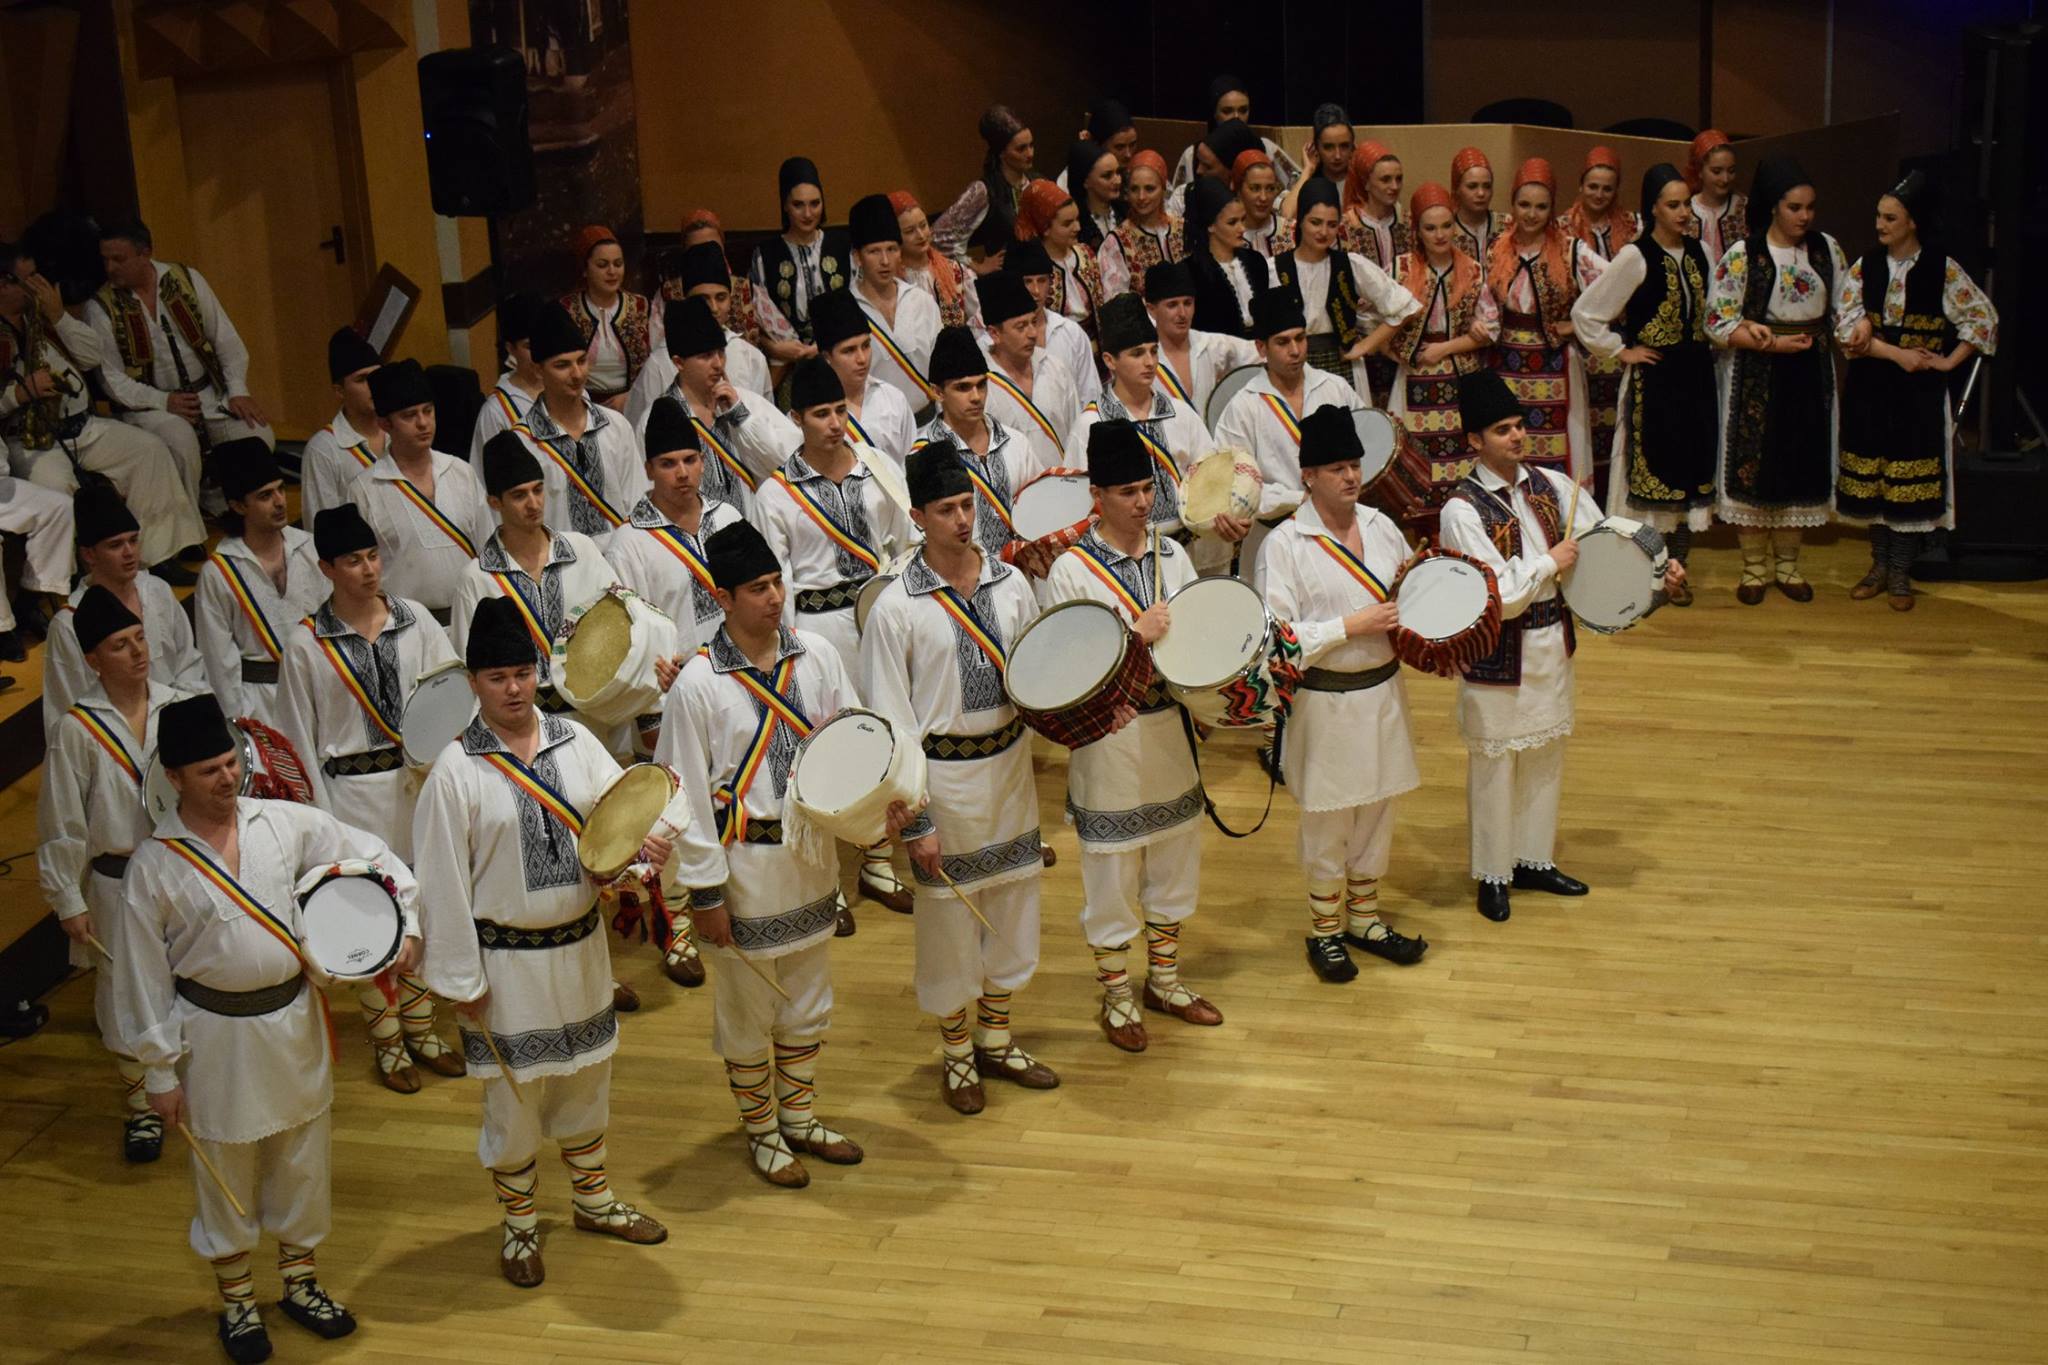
11,648
1548,879
1396,948
1493,901
243,1338
142,1139
1330,961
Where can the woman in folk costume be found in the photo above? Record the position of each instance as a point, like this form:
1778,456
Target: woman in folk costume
1095,177
1598,221
1331,144
1772,308
1347,750
1228,274
1720,216
1148,235
1474,220
764,892
1229,102
1648,311
700,226
1536,273
984,215
1048,215
1911,316
1373,227
1446,336
1256,185
938,275
515,935
805,260
620,328
1352,306
1111,128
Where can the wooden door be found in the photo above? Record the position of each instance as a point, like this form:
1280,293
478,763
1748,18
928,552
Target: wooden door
265,176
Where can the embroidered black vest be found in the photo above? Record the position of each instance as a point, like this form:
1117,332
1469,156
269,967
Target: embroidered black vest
1925,324
1656,313
1503,667
778,261
1341,302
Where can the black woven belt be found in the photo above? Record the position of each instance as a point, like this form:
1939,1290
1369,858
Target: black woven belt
550,701
650,720
973,746
1547,612
1335,680
492,934
387,760
241,1004
259,671
112,866
763,832
1156,697
838,597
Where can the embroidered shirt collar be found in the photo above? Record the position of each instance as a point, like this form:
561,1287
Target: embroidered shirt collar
386,467
728,657
921,580
493,557
797,469
480,738
328,626
1494,483
1110,555
541,422
1113,407
234,547
998,435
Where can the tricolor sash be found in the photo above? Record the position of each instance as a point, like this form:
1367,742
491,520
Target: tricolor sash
576,480
672,539
1031,409
1173,382
512,417
860,433
840,535
509,586
964,616
439,518
530,783
777,709
353,681
987,490
903,361
104,736
1279,408
239,587
1095,565
1353,565
361,449
1157,451
723,452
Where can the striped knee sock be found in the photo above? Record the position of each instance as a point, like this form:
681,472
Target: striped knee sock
953,1033
749,1084
588,1185
1324,920
515,1192
1112,974
796,1084
295,1264
1162,955
381,1011
1362,907
416,1017
231,1274
992,1019
682,942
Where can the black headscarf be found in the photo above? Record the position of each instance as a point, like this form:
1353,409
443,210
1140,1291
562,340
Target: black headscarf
1776,177
1218,88
1206,197
1107,118
797,170
1654,181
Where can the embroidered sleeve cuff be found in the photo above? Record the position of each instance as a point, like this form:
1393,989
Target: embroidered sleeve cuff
919,827
736,413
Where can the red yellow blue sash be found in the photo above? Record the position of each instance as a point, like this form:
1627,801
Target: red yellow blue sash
1095,565
576,480
512,417
434,514
1286,414
361,449
903,361
352,680
1354,566
860,433
1031,409
987,491
839,535
239,587
723,452
672,540
777,709
532,784
1172,382
509,586
109,741
964,616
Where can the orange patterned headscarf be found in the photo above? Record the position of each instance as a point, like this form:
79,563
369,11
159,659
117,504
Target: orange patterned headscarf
1369,154
1506,258
1036,206
1702,147
696,219
1417,278
590,239
1242,167
1468,158
1620,224
945,271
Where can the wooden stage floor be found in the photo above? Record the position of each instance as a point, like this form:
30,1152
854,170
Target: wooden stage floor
1777,1091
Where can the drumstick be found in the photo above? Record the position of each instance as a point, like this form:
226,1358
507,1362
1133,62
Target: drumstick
212,1170
1158,589
975,911
99,947
1572,512
499,1058
755,968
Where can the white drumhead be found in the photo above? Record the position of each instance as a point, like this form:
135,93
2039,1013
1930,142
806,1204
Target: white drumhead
1440,597
1064,655
1377,433
864,600
439,710
158,796
842,761
1613,582
1051,503
1219,626
1227,388
352,927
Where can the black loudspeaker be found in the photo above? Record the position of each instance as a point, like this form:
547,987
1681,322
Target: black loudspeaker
473,106
1999,536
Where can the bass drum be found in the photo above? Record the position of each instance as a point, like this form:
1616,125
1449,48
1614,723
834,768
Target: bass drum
1227,388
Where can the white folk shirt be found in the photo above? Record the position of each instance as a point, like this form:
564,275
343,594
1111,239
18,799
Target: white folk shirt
651,555
884,421
857,506
421,559
155,388
909,338
1008,466
1381,299
505,407
86,349
575,575
606,455
1068,344
1343,749
333,457
745,366
779,903
90,801
319,713
250,1077
927,676
742,446
1138,785
1045,416
492,851
1497,719
173,654
1250,423
1178,430
229,601
1211,355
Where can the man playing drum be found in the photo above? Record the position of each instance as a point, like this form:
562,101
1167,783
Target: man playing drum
877,414
933,657
1346,746
997,458
212,994
744,436
1190,362
832,525
1134,797
659,553
348,669
90,814
730,727
585,448
1515,705
515,937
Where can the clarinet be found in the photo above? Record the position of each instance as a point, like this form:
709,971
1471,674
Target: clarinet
185,385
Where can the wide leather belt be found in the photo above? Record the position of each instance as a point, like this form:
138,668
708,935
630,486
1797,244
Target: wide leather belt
550,701
113,866
955,747
1548,612
1156,698
387,760
259,671
1335,680
838,597
492,934
241,1004
768,831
